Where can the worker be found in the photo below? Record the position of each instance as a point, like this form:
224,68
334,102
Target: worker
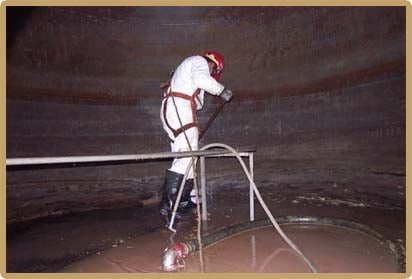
183,97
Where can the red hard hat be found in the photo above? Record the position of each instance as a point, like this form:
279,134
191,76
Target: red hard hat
217,58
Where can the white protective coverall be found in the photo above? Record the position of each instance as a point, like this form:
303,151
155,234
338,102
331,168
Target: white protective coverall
186,93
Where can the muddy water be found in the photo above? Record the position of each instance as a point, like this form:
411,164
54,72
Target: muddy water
331,249
133,239
141,255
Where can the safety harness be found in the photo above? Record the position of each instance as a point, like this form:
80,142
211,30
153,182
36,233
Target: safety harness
192,99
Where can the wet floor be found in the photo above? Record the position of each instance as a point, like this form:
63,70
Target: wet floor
330,248
133,239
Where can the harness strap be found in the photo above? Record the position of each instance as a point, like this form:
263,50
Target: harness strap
192,98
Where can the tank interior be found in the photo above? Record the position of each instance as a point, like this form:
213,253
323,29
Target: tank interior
319,94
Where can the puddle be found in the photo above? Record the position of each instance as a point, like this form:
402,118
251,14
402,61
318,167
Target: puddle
330,248
132,240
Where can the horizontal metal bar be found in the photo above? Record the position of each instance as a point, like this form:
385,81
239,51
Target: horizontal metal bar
132,157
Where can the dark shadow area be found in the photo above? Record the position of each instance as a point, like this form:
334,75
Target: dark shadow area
16,18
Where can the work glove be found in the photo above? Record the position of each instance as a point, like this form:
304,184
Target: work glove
226,95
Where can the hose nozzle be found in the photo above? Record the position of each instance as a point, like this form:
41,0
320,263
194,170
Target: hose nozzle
173,257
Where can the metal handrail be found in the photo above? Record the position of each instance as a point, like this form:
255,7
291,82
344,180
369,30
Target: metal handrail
129,157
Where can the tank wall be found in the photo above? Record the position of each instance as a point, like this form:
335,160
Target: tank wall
319,88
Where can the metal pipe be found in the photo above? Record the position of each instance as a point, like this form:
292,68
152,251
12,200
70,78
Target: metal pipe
204,205
211,119
203,187
251,192
107,158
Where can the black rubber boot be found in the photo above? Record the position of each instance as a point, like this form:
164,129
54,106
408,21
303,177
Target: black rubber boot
186,207
185,200
169,192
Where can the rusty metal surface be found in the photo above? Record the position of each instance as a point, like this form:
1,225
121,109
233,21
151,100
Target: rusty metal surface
118,55
319,85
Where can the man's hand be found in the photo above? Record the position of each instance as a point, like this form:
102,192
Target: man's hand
226,95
